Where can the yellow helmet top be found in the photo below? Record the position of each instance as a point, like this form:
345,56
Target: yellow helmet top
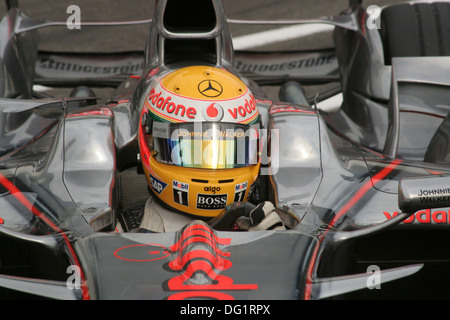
201,93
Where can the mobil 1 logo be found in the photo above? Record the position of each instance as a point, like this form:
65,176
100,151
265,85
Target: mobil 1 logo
239,191
180,192
211,201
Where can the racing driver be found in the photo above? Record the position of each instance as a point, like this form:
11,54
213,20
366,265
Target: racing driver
200,151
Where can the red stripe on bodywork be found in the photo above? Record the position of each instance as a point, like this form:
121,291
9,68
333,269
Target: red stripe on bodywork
362,191
27,204
358,195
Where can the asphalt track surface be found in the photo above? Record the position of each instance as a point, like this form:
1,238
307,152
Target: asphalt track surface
132,38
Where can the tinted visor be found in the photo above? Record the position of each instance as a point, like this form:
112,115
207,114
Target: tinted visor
205,145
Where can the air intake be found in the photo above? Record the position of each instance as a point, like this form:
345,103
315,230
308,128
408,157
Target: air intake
183,16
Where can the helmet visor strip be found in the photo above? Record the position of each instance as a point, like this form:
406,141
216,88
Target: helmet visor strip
207,145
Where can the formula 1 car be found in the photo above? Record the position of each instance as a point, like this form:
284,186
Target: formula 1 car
363,191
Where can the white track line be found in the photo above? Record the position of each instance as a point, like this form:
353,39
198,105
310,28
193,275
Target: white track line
331,104
284,34
279,35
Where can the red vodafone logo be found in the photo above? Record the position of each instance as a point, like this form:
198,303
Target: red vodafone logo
165,105
176,108
248,108
426,216
212,112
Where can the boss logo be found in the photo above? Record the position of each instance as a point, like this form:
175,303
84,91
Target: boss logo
211,202
157,184
212,189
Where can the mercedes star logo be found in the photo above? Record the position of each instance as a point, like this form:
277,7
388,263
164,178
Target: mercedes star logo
210,88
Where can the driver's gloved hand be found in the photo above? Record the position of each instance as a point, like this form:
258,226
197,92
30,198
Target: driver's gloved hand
264,217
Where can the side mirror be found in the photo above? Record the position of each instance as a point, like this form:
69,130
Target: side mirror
414,194
418,193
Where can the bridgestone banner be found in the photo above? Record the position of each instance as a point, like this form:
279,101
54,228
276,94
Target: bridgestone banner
71,66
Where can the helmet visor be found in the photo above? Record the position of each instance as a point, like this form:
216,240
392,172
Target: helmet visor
207,145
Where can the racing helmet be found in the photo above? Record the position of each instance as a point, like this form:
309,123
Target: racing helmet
199,140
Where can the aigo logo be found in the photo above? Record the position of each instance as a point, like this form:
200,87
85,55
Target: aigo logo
212,189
